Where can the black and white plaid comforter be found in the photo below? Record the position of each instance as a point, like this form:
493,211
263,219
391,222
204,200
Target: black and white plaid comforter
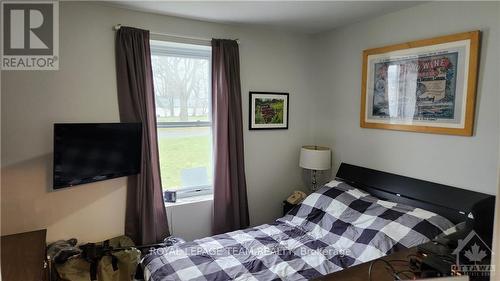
334,228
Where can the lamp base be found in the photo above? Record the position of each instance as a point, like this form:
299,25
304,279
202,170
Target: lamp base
314,179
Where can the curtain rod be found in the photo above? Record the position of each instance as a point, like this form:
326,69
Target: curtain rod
118,26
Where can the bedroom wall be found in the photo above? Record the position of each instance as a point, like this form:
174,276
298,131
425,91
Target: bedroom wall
466,162
84,90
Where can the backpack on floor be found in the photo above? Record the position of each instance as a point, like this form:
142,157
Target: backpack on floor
115,259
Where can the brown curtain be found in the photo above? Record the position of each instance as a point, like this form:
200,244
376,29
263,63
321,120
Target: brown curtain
230,191
145,218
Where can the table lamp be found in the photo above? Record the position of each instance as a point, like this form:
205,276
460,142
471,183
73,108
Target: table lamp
315,158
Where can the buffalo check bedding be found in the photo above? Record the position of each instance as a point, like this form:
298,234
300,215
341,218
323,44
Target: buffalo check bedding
334,228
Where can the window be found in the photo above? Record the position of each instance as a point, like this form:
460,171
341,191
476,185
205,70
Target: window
182,79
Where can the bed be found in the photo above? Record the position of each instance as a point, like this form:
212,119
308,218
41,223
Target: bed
362,215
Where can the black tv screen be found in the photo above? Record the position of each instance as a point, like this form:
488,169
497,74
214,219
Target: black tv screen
85,153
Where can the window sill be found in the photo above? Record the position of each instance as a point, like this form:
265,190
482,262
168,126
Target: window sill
190,200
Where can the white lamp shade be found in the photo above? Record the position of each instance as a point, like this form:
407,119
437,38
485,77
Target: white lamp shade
315,157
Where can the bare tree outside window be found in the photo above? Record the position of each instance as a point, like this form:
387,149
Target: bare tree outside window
182,94
181,88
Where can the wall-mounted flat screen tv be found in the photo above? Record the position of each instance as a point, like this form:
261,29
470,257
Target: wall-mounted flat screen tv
85,153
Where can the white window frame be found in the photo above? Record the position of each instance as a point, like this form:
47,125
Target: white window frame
167,48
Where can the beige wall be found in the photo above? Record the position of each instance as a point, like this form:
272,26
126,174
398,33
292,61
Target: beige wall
466,162
84,90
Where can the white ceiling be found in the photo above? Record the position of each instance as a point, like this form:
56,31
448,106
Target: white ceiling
301,16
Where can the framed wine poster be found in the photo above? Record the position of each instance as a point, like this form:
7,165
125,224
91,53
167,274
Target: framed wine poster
422,86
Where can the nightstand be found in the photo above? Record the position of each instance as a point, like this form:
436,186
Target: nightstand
360,272
287,207
399,260
24,256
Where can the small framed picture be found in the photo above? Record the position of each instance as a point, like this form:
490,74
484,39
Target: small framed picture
268,111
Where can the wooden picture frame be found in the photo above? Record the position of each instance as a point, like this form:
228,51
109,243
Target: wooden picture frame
426,86
276,106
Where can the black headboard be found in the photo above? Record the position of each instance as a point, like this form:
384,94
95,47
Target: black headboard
450,202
